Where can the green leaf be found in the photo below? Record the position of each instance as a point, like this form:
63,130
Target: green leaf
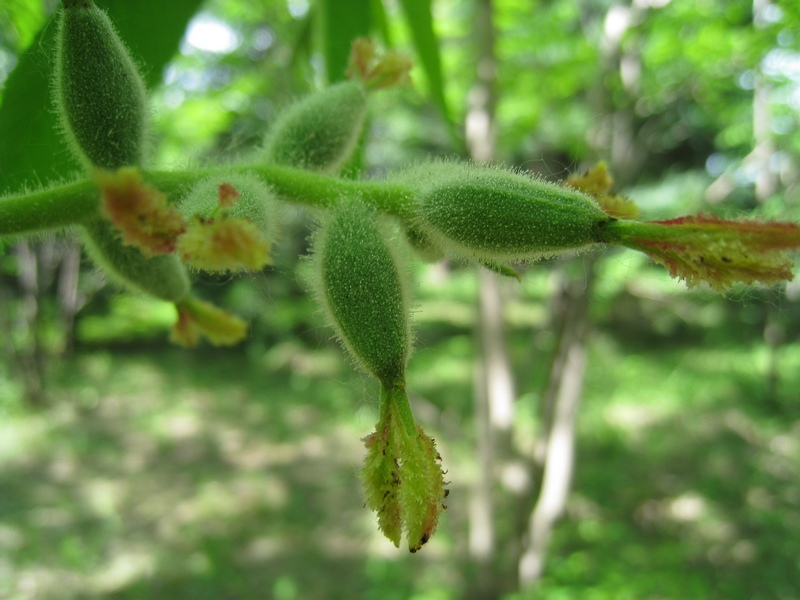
420,22
381,22
33,151
303,43
341,23
26,18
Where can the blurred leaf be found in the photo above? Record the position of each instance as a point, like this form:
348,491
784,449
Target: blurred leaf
420,22
381,22
152,30
342,22
301,49
128,318
38,154
26,17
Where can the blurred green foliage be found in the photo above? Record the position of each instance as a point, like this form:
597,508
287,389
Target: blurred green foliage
160,473
165,474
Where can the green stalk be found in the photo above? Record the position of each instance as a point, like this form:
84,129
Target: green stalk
397,395
78,202
55,207
621,232
299,186
706,248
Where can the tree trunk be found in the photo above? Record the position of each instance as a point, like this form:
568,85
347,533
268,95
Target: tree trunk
26,344
69,300
766,184
561,399
613,137
493,393
47,272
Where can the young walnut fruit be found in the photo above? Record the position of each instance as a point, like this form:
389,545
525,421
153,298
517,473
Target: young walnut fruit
488,214
100,96
320,132
362,288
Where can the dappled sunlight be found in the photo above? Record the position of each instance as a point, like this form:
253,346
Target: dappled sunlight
634,418
292,355
705,528
186,466
162,479
130,470
166,469
456,314
449,369
21,439
208,34
188,472
122,568
713,476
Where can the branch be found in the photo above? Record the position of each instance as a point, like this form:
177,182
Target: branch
79,201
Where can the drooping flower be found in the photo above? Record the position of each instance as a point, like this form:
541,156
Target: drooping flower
597,183
378,72
139,211
197,318
706,248
402,474
225,244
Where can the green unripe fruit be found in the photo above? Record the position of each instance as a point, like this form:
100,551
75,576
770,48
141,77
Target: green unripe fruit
320,132
362,288
488,214
162,276
99,93
253,201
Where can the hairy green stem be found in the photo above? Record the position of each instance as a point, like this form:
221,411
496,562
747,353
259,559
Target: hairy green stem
620,232
299,186
52,208
396,395
78,202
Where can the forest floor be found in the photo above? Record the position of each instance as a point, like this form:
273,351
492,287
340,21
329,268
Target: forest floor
159,473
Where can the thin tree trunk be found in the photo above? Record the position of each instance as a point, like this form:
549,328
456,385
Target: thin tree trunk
493,393
481,514
26,344
560,310
613,137
69,300
47,270
766,184
565,384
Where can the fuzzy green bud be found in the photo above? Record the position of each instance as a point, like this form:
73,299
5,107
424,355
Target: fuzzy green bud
162,276
362,288
239,195
488,214
99,93
319,132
